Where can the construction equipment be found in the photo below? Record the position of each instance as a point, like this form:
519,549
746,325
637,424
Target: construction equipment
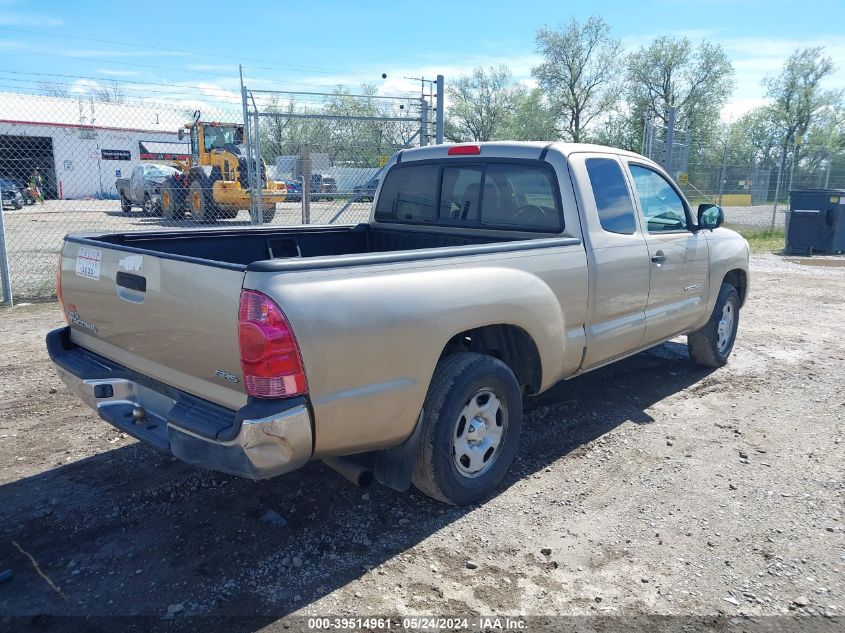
213,183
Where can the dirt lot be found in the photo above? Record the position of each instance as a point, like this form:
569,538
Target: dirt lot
649,487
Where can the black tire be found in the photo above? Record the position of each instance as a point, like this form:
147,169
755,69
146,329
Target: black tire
268,215
125,203
172,199
457,380
200,204
711,345
226,214
149,208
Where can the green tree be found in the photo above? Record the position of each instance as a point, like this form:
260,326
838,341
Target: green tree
579,74
696,80
480,104
530,118
797,96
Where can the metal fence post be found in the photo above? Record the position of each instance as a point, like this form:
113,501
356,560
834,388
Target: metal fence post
305,168
777,187
722,173
439,115
423,122
670,142
247,139
258,170
4,262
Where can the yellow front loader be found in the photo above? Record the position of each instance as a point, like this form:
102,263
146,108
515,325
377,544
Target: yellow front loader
213,183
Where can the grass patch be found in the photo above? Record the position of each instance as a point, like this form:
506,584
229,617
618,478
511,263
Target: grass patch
764,240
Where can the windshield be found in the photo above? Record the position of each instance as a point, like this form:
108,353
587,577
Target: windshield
220,136
160,171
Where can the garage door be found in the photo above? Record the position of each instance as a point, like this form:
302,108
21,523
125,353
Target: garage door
21,155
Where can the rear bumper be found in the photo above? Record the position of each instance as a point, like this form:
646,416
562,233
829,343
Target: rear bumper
259,441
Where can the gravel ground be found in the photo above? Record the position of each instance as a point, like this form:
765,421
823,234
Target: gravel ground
648,487
34,234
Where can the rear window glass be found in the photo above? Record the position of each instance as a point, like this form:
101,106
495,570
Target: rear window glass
460,194
613,202
518,196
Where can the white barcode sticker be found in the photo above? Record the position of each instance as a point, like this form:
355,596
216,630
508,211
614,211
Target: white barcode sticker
88,262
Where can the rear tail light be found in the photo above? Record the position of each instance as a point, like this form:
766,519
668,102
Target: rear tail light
464,150
270,359
59,288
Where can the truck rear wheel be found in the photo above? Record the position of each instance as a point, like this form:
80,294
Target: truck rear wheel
711,345
472,420
201,205
171,201
125,203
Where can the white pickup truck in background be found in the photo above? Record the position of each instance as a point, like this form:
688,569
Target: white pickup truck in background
400,349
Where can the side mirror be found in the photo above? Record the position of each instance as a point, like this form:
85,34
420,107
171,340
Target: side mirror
710,216
181,133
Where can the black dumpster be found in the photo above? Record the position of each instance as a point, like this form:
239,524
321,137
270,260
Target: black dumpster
816,221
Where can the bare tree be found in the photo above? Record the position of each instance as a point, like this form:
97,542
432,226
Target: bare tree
579,74
111,92
51,89
480,103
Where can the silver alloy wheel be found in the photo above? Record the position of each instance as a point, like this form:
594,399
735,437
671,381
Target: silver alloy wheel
478,433
726,327
149,206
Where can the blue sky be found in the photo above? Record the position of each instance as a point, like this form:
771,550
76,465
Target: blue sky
315,45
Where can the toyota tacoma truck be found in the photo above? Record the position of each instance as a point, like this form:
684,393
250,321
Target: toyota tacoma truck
399,350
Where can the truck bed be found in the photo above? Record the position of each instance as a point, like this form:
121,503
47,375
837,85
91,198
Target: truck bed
238,248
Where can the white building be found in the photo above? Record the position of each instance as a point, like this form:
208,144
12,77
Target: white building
80,146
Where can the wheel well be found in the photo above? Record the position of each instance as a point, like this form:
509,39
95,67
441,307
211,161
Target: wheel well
739,280
510,344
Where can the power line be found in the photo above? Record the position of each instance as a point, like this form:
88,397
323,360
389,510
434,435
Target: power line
184,85
293,67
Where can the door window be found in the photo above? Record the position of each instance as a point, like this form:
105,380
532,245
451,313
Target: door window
662,207
613,202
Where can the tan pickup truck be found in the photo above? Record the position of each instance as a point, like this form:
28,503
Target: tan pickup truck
397,350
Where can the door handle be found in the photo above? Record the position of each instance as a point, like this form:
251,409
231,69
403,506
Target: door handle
133,282
658,258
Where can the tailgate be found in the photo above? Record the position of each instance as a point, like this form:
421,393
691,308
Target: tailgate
173,320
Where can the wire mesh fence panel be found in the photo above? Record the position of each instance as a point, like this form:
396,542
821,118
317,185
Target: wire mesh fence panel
79,165
85,166
753,192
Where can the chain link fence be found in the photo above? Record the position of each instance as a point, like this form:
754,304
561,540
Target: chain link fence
78,165
753,191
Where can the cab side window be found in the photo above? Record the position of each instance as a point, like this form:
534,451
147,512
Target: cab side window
613,202
662,207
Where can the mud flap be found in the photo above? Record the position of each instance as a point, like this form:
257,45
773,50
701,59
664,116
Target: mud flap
394,466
